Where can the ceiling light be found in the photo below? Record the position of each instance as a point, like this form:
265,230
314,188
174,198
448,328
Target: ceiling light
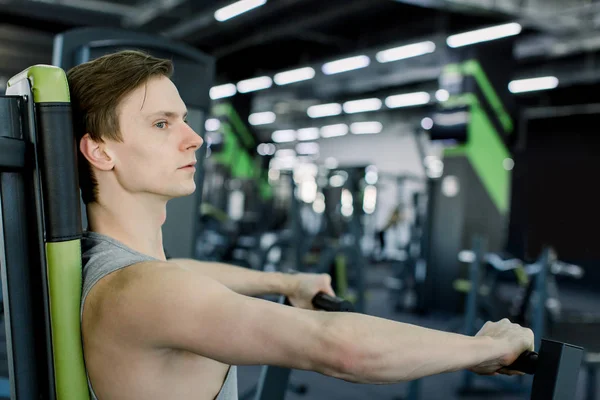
254,84
262,118
356,106
221,91
266,149
285,153
346,64
366,128
212,124
235,9
284,136
407,100
484,35
324,110
296,75
533,84
307,148
427,123
330,131
442,95
403,52
308,134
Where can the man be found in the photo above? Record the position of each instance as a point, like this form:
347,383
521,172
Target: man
157,329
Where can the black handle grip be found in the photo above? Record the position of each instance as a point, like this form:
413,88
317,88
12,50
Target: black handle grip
325,302
527,363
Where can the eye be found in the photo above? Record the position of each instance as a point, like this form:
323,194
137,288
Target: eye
161,124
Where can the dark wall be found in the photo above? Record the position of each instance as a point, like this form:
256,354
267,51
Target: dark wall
555,200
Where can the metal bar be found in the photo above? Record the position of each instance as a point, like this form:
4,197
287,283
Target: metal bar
273,383
590,387
17,265
471,306
539,314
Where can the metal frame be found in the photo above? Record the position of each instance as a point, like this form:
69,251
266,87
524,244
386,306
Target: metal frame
20,265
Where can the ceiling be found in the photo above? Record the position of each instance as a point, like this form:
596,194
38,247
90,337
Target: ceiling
559,37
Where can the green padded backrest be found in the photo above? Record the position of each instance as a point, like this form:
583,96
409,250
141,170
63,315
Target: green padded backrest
57,168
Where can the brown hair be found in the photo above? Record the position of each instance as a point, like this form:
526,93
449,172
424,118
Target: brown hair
97,87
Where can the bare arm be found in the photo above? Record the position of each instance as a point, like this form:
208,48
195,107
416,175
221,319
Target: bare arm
242,280
198,314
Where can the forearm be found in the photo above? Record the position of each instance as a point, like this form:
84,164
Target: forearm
242,280
376,350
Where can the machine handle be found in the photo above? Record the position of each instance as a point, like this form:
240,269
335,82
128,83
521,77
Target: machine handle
527,363
325,302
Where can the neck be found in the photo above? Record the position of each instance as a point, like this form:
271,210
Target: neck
134,220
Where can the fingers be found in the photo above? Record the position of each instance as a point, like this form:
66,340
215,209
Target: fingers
510,372
327,285
531,339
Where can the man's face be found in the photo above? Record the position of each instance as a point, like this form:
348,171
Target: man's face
158,145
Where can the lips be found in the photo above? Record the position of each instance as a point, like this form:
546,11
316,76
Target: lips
192,164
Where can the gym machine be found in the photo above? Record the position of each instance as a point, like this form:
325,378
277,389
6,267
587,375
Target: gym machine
469,187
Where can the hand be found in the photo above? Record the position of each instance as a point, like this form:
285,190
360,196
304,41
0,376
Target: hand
510,340
307,286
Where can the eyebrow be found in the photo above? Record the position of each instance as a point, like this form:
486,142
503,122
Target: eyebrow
168,114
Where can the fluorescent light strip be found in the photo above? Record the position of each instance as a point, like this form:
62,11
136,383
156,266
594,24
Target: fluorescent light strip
407,100
295,75
307,148
356,106
307,134
262,118
345,64
533,84
235,9
366,128
284,136
285,153
221,91
254,84
324,110
329,131
484,35
403,52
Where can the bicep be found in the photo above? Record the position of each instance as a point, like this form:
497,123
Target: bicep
188,311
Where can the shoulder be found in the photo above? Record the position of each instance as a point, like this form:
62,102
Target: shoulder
103,298
152,304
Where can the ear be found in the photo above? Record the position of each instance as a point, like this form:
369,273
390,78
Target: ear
96,153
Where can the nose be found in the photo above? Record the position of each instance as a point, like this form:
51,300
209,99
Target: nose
192,139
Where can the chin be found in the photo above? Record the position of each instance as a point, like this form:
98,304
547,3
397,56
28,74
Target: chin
186,190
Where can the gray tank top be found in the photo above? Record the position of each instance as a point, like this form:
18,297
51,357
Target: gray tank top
102,255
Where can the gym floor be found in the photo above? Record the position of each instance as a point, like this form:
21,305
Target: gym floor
436,387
